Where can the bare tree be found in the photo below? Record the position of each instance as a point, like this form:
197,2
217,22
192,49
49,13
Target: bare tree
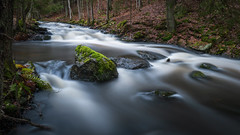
171,23
131,12
98,5
79,10
66,7
108,8
70,10
92,14
88,14
138,4
25,7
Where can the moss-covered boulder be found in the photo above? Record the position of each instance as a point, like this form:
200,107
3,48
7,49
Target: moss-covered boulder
92,66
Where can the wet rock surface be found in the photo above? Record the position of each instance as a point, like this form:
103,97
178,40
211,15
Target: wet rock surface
147,55
130,62
208,66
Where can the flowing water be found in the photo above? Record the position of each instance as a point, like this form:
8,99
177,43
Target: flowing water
128,105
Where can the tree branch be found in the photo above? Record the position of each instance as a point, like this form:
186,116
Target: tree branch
25,121
6,36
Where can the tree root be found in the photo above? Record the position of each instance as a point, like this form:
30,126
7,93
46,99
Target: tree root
25,121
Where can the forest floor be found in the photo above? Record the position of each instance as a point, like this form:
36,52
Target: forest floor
148,24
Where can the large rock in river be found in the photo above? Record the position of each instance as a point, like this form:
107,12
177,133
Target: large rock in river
92,66
130,62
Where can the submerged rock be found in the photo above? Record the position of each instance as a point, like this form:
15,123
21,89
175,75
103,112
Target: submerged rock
162,95
92,66
198,75
38,37
46,37
130,62
150,55
209,66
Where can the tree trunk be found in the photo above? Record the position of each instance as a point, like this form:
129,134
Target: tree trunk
171,23
66,7
108,6
6,61
79,10
139,4
23,16
136,4
25,9
70,10
98,5
82,8
29,14
18,15
131,12
92,14
88,14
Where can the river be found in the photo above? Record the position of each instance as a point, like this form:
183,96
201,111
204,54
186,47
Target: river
128,105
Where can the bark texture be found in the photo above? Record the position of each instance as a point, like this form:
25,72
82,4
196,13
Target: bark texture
108,8
171,23
6,22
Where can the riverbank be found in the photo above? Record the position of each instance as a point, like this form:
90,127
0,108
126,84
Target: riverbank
17,96
148,24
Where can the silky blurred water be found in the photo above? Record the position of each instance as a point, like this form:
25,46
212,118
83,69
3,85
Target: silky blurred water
128,104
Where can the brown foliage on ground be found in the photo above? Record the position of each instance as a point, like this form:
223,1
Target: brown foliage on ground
149,24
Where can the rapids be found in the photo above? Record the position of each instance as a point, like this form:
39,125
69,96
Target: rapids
128,105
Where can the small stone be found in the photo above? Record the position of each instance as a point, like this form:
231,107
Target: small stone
168,60
209,66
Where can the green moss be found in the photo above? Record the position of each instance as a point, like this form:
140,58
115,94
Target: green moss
221,49
81,22
138,35
167,36
208,66
186,20
205,38
121,24
146,14
223,32
28,74
235,52
9,107
180,11
197,75
20,24
164,93
230,42
85,54
105,26
72,22
161,26
197,44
